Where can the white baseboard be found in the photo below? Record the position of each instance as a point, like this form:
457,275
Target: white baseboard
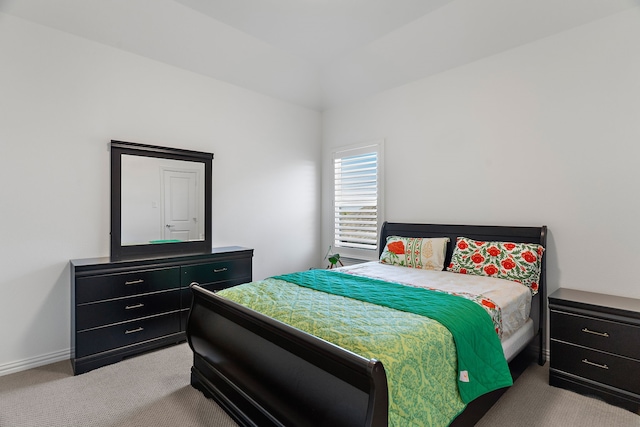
34,362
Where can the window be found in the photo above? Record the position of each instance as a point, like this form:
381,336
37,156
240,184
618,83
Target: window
358,200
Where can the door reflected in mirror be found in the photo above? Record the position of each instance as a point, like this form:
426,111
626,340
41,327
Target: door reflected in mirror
162,200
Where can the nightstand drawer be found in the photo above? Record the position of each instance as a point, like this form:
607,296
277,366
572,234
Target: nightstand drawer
123,334
605,335
103,313
214,272
109,286
601,367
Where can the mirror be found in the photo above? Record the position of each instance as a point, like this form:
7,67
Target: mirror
160,200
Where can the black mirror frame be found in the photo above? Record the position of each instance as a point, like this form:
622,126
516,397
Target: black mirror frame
118,148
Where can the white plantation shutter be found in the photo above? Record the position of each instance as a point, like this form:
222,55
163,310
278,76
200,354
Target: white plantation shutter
357,196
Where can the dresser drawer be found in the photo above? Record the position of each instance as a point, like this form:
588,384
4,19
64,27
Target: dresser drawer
213,287
605,335
122,334
109,286
601,367
219,271
103,313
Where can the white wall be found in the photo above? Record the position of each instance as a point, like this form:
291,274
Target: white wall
547,133
62,99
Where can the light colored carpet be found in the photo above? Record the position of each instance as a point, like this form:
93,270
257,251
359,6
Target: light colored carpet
153,390
532,402
148,390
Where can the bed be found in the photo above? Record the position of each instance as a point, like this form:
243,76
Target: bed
265,372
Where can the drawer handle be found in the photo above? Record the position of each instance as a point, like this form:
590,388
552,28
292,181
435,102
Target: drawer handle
134,282
220,270
131,307
595,364
133,331
600,334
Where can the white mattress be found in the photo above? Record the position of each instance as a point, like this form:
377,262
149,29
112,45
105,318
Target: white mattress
517,340
514,299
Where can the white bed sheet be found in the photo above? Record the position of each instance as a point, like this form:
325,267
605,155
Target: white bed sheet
518,340
514,299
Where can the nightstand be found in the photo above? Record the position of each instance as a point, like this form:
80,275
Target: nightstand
595,346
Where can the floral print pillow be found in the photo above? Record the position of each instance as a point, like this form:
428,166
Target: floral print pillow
519,262
415,252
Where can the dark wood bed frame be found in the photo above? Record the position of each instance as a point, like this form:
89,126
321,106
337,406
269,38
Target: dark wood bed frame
266,373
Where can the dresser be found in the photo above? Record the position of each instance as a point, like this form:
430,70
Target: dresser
123,308
595,346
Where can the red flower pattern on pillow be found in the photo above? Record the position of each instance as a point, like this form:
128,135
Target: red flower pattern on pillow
493,251
518,262
490,270
507,264
477,258
529,257
396,247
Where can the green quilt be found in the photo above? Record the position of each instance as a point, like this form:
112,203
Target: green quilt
418,352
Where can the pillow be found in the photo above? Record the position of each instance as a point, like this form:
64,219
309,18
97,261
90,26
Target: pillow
415,252
519,262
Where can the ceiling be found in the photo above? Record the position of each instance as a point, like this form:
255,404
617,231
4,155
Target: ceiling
317,30
315,53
